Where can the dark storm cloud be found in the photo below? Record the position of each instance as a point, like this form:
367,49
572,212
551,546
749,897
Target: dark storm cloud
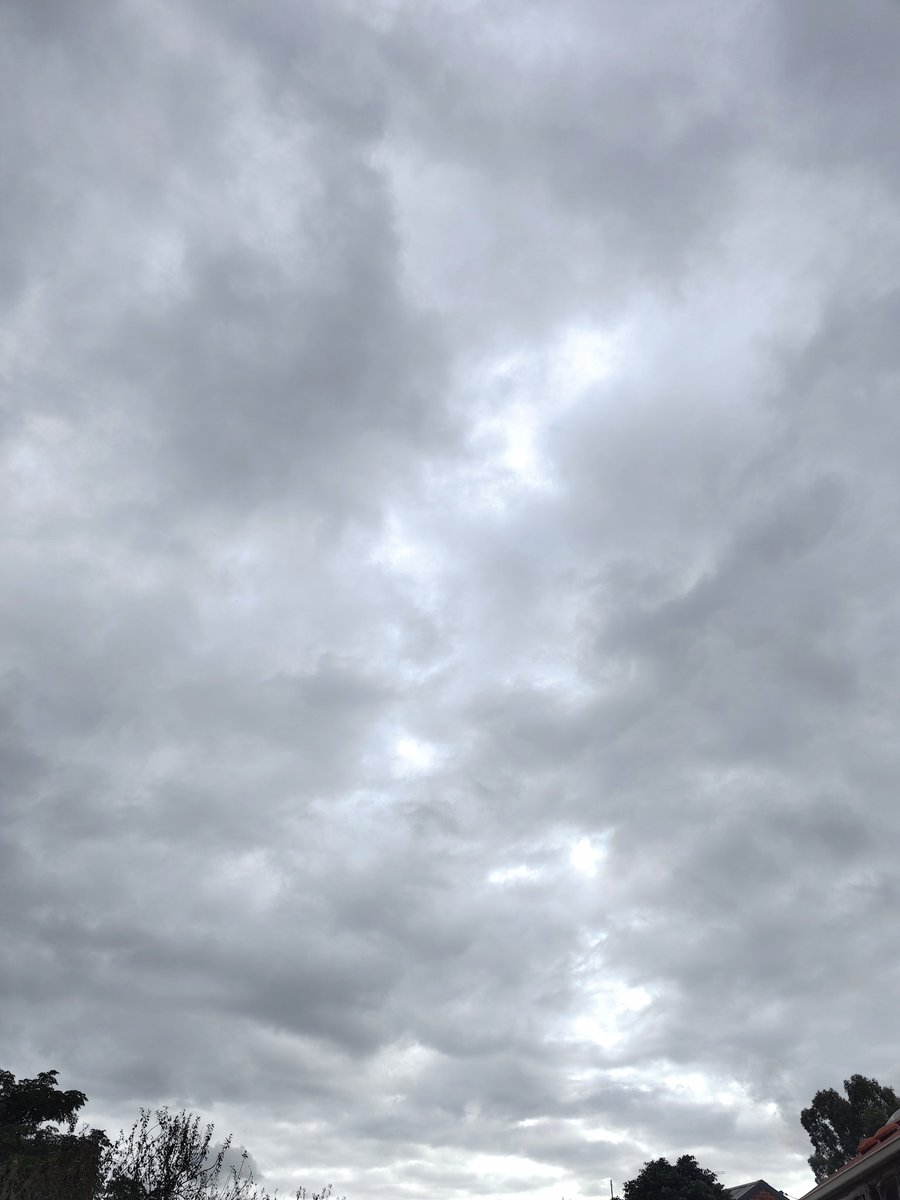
449,575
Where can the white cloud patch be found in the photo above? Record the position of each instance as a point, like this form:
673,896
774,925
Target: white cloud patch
413,756
585,857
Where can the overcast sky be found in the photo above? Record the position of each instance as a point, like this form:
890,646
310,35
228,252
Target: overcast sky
451,639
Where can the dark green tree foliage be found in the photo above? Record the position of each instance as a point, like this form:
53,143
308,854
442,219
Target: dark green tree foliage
37,1159
685,1180
836,1124
27,1105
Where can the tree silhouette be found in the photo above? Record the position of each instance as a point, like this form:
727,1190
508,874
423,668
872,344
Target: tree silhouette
36,1158
685,1180
836,1124
164,1156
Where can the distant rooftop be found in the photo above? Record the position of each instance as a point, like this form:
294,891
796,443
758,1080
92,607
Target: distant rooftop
756,1188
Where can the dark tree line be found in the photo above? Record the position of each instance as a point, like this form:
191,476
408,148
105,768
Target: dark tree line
170,1156
164,1156
836,1126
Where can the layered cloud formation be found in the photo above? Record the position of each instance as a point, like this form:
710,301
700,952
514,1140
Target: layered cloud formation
450,574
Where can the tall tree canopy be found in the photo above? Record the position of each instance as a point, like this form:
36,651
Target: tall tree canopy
685,1180
27,1106
36,1157
836,1124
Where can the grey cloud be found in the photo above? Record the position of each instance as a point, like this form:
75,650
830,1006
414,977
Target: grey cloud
455,767
832,62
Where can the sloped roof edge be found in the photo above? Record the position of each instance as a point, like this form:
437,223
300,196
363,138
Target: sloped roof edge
748,1190
855,1169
